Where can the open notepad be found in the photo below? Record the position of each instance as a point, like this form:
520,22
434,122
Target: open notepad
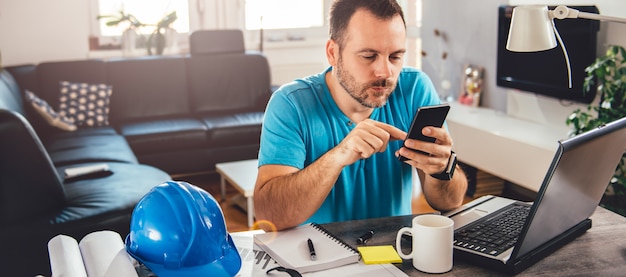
256,262
290,249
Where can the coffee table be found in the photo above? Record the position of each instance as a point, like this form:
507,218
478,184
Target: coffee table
242,176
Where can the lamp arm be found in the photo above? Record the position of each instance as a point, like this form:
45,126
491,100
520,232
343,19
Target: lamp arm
562,12
569,67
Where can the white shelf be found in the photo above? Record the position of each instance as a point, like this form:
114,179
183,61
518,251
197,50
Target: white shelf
513,149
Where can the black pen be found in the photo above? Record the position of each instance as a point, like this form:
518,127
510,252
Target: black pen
312,250
363,238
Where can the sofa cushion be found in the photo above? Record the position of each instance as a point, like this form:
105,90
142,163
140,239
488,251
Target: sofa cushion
148,87
95,131
86,104
66,150
165,135
240,83
234,129
204,42
119,191
49,74
48,113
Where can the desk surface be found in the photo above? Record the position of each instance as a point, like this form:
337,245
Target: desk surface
601,251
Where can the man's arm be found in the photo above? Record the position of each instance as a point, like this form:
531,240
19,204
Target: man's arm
441,195
286,196
444,195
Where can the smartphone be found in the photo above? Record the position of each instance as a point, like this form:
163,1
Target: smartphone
433,115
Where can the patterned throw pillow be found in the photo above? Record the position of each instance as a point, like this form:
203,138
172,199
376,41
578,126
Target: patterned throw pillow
87,104
53,118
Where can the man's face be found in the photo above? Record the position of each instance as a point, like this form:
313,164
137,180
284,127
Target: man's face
370,61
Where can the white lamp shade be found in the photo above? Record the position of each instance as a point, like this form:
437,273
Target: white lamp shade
531,30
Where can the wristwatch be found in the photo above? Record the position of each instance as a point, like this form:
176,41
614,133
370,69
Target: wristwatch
449,171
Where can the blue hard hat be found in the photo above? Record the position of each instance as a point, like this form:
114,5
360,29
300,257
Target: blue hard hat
178,229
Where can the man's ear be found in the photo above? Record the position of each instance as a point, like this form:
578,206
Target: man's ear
332,52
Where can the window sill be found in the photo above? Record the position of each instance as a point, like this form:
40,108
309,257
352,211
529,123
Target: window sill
304,43
118,53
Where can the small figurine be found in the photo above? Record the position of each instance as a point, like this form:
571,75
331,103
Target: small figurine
472,85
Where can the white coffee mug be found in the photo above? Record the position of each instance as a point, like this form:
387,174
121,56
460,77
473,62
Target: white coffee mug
432,237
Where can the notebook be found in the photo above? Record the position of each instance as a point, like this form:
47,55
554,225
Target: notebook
290,248
256,262
572,189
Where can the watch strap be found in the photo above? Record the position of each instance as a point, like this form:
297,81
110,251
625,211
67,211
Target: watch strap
447,173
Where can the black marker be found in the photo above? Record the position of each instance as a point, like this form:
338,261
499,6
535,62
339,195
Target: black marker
363,238
312,250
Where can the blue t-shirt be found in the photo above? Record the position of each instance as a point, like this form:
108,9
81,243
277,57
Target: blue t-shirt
302,122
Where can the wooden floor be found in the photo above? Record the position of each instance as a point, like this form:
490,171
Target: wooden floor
236,218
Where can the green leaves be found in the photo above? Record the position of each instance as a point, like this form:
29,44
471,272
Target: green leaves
157,38
122,17
609,71
167,20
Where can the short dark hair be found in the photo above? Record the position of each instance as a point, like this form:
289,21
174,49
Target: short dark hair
342,11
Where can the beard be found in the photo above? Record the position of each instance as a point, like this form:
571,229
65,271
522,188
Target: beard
379,90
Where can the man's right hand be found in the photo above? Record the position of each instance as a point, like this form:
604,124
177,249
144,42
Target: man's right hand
368,137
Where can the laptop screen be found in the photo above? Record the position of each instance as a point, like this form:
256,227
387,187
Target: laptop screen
574,184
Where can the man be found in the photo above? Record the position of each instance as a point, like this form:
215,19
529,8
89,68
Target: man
330,142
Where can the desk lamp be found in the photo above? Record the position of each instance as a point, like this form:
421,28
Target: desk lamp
532,29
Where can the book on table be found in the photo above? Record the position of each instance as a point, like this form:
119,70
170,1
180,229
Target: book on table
290,248
100,253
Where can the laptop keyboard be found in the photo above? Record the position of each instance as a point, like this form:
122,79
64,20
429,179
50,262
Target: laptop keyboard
493,235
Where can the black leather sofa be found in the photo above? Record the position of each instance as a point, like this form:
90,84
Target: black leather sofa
182,114
168,116
36,203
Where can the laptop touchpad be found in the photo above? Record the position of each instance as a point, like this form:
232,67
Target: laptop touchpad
468,217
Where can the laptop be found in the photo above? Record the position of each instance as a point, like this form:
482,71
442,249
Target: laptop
574,184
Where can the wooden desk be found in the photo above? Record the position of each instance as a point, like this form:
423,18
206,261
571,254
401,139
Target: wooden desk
601,251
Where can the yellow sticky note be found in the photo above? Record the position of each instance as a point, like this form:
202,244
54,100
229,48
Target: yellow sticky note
383,254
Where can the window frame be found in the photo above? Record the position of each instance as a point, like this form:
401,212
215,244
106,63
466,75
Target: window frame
212,17
285,37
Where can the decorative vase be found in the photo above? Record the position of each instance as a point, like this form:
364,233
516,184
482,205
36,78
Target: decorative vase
171,40
129,42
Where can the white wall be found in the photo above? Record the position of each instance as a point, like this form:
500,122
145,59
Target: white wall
471,31
37,30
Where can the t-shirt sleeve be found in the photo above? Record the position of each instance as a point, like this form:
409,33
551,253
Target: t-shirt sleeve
282,134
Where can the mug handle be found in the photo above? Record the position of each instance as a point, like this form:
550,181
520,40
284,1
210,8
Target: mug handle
401,232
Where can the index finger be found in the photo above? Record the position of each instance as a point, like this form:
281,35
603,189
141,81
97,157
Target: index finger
394,133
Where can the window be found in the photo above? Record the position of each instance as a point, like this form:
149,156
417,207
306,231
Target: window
283,14
146,11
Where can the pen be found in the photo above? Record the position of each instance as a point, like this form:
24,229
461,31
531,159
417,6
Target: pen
312,250
363,238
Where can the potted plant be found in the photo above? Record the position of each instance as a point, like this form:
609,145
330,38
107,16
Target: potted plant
609,71
129,36
157,38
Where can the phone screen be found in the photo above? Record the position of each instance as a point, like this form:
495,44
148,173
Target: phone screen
426,116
